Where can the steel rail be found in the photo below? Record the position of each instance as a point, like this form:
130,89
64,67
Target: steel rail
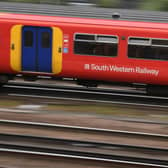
108,91
80,94
84,129
81,143
45,149
28,151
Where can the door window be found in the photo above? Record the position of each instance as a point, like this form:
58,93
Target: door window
28,40
45,40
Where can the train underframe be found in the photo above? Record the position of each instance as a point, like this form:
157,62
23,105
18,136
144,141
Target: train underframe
158,90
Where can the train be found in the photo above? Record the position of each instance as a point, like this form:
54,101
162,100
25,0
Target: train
88,50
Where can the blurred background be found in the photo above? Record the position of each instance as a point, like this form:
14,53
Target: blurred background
154,5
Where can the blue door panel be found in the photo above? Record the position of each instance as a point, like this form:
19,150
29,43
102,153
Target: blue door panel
29,49
44,49
36,49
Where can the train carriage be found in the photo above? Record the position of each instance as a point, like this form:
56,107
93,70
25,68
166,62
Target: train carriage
87,50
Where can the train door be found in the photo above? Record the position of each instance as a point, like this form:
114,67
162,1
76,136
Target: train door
37,49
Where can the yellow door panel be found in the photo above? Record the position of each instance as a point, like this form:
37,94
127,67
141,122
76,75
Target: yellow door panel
15,47
57,50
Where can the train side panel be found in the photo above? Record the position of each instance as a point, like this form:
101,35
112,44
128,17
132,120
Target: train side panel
5,47
119,68
73,47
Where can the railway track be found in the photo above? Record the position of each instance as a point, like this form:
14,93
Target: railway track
89,12
69,159
85,150
102,136
44,91
127,155
68,128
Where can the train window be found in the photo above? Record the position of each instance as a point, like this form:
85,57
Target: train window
45,40
96,45
139,41
157,50
28,38
110,39
84,37
160,42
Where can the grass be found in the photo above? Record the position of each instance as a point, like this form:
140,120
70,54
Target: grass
109,110
9,103
98,109
91,108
